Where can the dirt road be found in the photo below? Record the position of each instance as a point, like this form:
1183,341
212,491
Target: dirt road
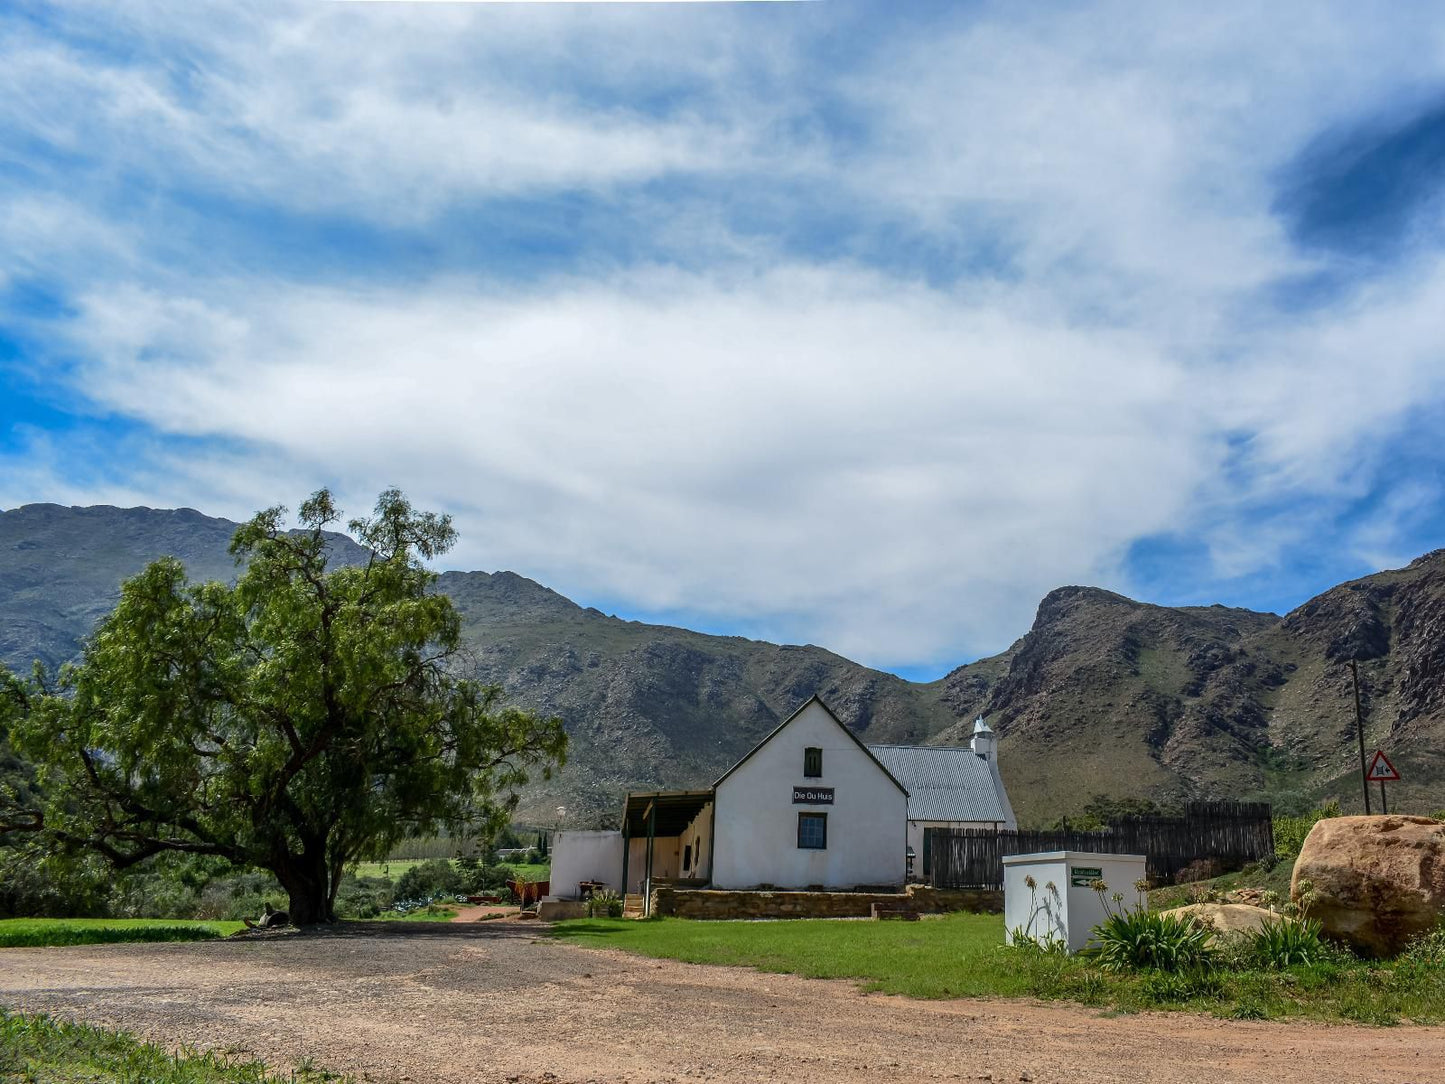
493,1001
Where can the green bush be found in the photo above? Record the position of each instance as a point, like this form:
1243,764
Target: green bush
1427,950
1290,832
1283,944
480,878
605,904
436,877
1150,941
364,897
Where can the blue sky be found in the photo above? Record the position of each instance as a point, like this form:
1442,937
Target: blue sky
847,323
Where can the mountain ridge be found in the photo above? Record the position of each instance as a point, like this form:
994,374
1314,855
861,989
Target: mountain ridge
1101,695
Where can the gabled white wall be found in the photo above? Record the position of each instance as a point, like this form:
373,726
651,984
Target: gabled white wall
756,836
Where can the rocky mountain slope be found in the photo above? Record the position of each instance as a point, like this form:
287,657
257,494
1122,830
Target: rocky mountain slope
1209,701
1103,695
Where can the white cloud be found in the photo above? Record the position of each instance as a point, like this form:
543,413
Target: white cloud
891,463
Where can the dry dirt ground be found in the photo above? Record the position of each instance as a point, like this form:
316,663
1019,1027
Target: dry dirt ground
496,1001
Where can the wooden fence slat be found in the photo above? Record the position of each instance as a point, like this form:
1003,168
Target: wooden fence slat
1231,833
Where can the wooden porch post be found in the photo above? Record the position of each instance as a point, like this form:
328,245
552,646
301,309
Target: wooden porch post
626,852
651,835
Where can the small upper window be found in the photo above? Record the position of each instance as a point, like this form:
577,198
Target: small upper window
812,763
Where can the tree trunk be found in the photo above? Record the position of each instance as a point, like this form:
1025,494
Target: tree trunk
308,889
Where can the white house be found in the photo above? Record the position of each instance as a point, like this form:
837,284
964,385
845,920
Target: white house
810,806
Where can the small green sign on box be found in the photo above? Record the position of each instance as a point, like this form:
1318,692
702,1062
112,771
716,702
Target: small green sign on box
1084,876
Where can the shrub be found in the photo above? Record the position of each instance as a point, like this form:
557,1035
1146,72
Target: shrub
484,878
436,877
1290,832
1149,941
1283,944
605,904
1427,950
364,897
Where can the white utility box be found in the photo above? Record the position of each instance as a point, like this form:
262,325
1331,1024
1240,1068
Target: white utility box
1062,905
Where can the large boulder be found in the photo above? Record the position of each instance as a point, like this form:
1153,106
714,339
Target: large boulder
1229,917
1377,882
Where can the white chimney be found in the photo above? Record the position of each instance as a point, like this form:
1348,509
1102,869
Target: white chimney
984,743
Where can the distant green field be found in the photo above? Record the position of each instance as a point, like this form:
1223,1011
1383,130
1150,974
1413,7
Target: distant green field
36,932
37,1048
395,867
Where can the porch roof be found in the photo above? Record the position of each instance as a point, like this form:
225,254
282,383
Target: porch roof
675,811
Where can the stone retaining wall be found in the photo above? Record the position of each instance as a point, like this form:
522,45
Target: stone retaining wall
714,903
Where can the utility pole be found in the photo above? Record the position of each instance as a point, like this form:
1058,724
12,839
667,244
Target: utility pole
1360,730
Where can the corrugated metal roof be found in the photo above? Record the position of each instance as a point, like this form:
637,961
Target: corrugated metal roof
943,784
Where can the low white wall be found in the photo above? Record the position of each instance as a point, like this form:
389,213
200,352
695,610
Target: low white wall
1057,907
585,856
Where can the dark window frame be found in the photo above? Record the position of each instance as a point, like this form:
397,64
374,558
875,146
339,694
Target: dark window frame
812,763
821,818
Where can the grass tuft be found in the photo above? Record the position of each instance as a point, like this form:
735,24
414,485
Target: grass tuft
39,1048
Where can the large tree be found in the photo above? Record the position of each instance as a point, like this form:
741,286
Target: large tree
302,719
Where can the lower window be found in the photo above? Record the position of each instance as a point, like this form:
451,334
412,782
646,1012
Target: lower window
813,831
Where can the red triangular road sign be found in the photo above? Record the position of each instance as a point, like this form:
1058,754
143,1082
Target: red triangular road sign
1381,770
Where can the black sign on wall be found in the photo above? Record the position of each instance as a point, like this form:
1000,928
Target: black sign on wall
812,795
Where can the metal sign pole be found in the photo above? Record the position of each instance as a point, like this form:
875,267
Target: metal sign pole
1360,730
1383,807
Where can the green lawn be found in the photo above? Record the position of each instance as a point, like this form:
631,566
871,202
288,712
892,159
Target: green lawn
963,955
426,914
29,932
37,1048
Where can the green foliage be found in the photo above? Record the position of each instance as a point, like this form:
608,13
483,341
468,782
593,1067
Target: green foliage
435,878
487,878
40,932
1140,940
1427,953
36,1048
1290,832
604,904
298,721
1282,944
1165,987
1101,809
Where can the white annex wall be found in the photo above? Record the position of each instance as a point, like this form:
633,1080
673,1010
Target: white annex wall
1061,905
756,837
585,856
